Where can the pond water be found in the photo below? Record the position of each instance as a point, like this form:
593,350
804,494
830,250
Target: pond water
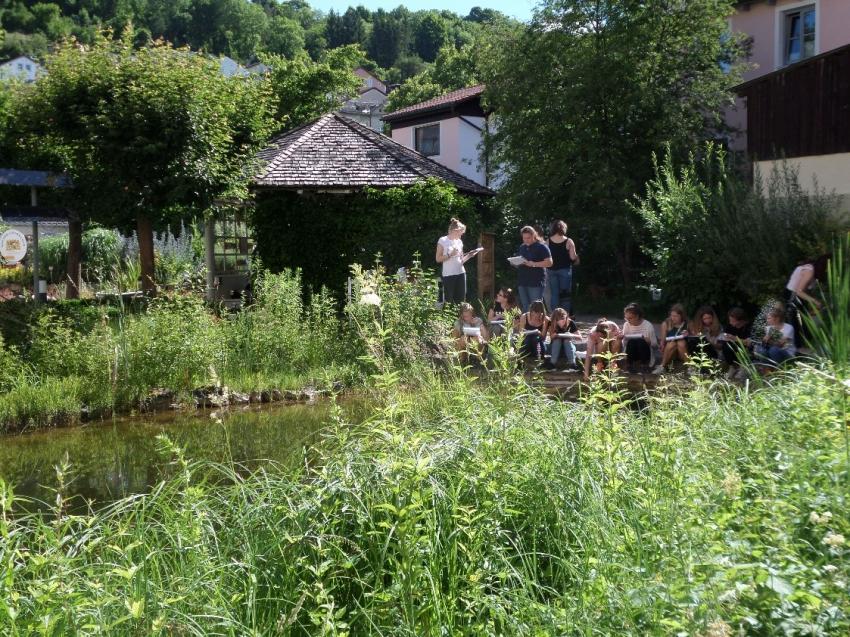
112,460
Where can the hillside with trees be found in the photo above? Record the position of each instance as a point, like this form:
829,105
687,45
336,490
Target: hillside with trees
433,49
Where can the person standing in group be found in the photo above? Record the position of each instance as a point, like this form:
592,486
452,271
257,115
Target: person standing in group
560,274
532,271
450,254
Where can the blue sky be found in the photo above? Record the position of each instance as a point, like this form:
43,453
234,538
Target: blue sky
520,9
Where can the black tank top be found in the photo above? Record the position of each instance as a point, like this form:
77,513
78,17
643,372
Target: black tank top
560,255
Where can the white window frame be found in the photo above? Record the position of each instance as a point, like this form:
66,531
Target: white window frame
781,12
439,138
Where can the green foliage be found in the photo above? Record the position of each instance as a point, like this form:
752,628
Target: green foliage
829,327
473,512
303,90
397,319
603,85
706,224
353,228
152,129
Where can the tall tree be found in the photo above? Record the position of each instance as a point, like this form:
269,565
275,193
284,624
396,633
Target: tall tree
386,41
143,132
588,92
432,34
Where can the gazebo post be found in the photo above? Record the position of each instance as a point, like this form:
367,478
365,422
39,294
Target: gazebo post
35,256
75,250
209,255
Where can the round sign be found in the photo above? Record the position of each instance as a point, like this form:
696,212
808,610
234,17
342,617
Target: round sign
13,247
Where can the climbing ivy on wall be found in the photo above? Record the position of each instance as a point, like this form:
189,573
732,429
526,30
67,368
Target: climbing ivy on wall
323,234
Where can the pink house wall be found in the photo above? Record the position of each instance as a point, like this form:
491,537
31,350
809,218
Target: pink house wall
763,23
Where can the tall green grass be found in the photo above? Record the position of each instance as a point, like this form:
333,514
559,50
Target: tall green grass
461,509
285,339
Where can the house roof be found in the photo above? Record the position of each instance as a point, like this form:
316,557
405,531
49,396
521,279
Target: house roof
443,102
17,57
336,153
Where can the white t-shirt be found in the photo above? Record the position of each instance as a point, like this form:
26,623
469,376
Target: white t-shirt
645,329
454,265
788,334
797,274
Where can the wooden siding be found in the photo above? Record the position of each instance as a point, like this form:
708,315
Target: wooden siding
801,110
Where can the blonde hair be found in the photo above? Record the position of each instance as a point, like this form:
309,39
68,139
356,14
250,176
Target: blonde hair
530,230
455,224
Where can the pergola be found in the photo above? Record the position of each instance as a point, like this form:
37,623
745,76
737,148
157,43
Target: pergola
34,180
334,155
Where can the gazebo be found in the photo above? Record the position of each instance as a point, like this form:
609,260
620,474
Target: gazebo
34,215
316,180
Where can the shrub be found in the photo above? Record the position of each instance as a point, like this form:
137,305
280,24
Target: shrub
716,239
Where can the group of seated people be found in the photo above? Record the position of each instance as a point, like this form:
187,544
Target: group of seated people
633,345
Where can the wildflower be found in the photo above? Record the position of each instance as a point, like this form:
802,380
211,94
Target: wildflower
731,484
829,569
370,298
823,518
718,628
833,540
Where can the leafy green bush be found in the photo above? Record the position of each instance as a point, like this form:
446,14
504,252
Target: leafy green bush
398,322
343,230
717,239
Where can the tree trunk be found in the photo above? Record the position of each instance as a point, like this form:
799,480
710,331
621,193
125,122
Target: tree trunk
75,252
144,231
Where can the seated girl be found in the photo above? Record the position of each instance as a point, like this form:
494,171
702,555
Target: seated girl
778,342
735,339
675,332
532,329
562,332
704,332
504,314
638,338
602,339
470,334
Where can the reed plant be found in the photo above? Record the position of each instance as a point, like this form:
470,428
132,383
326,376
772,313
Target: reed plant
467,509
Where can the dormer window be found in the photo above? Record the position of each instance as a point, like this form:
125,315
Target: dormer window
799,42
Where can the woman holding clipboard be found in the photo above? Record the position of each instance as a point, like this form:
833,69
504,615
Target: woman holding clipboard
450,254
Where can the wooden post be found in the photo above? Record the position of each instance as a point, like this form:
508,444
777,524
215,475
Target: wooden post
75,251
36,265
209,255
144,231
487,267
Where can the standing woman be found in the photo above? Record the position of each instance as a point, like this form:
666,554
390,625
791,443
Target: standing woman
564,257
799,293
450,254
532,271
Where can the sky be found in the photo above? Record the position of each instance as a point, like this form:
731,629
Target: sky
520,9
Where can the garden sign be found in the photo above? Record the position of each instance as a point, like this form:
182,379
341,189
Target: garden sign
13,247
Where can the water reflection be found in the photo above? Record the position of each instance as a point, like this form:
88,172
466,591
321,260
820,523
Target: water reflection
120,458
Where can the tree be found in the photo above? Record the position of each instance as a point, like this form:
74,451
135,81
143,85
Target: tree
143,133
432,34
588,92
285,37
303,89
387,40
416,89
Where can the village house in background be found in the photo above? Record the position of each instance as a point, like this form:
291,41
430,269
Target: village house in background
795,102
367,108
22,68
449,129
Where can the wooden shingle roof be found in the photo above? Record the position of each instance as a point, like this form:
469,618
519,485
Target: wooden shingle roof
336,153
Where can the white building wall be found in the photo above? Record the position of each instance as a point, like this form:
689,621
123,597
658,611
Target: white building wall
829,173
22,68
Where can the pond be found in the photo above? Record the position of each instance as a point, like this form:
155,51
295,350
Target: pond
112,460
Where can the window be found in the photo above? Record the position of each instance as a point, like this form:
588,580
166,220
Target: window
799,34
427,140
